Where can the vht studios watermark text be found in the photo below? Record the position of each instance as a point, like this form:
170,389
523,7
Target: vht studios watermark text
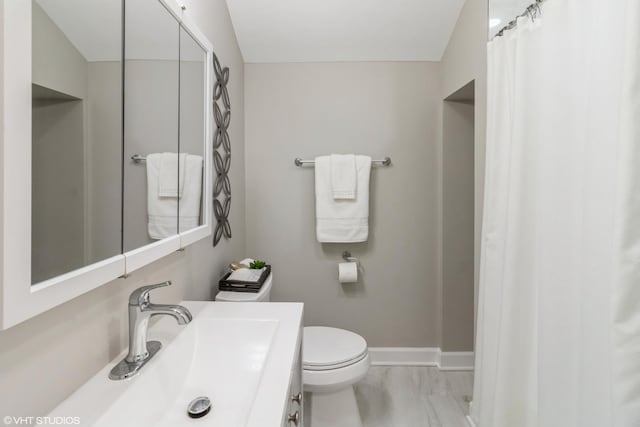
41,421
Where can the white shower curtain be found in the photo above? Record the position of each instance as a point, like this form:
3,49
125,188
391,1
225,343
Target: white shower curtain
558,339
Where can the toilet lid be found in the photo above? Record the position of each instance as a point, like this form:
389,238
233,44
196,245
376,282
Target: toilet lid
329,348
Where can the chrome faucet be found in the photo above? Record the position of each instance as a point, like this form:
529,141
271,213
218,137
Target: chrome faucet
140,311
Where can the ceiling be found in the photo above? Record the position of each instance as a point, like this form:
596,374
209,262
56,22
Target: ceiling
343,30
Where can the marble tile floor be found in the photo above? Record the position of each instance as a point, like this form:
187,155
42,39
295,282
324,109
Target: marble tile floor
403,396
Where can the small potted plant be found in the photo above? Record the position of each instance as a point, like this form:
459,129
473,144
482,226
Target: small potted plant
257,265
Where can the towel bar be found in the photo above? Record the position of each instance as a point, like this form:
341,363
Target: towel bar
299,162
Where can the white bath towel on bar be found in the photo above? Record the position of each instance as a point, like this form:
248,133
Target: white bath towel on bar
171,164
342,220
343,176
162,212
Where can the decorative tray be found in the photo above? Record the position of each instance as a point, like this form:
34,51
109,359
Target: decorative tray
226,284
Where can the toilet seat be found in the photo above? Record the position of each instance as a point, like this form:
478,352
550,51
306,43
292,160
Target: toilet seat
335,379
331,348
334,366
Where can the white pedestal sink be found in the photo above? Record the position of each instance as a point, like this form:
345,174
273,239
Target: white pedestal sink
240,355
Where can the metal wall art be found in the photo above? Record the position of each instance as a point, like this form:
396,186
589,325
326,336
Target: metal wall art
221,153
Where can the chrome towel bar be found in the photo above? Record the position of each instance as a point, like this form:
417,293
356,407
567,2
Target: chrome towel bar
299,162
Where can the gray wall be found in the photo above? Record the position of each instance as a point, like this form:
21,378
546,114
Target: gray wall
465,60
46,358
410,294
58,203
104,159
379,109
457,225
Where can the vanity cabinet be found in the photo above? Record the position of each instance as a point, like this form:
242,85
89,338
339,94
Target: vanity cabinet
91,89
294,415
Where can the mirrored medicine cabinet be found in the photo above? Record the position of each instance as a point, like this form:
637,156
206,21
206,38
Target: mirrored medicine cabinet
107,118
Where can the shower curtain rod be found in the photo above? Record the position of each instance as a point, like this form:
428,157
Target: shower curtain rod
533,11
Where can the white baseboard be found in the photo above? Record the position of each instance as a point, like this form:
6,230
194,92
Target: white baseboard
404,356
421,356
456,361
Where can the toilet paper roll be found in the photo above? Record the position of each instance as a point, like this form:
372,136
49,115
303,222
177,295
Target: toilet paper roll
348,272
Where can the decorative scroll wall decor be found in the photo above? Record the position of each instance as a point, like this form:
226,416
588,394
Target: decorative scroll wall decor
221,153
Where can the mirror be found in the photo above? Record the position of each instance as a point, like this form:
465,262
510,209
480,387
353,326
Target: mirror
91,113
76,134
151,124
76,211
192,127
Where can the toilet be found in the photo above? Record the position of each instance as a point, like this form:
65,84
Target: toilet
333,361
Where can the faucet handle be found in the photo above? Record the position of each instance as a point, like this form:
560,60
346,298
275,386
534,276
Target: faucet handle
141,295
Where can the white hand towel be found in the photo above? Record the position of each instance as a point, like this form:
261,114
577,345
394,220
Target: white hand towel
342,220
343,176
163,211
169,185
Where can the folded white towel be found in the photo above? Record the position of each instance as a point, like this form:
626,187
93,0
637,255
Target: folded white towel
343,176
342,220
169,185
246,275
163,211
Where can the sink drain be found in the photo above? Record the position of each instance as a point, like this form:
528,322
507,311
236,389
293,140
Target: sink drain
199,407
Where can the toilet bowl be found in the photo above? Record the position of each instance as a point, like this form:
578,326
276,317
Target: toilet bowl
333,361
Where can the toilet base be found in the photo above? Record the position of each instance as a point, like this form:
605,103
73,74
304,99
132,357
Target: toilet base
335,409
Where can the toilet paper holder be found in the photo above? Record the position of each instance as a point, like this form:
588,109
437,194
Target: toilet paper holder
346,255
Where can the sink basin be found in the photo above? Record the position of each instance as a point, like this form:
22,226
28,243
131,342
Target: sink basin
239,355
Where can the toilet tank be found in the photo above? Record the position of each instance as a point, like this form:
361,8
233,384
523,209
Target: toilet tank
263,295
